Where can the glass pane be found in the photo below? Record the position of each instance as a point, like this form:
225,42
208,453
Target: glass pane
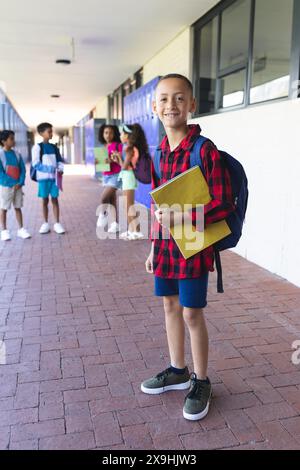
208,64
235,34
272,50
232,89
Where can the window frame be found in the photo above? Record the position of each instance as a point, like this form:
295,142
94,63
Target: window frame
216,12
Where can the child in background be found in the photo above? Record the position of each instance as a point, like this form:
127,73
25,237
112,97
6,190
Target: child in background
12,178
46,159
134,144
109,136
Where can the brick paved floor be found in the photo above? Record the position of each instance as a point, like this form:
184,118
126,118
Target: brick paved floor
82,329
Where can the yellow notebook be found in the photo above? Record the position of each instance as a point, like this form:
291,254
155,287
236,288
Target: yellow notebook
189,188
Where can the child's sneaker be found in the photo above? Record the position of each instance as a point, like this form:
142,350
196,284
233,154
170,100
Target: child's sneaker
126,235
114,228
197,401
165,381
136,236
58,228
5,235
23,233
45,228
102,219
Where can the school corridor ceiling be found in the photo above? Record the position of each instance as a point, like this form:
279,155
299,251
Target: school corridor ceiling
107,42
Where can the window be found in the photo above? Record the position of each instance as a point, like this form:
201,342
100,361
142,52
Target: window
272,49
208,63
232,89
235,34
243,53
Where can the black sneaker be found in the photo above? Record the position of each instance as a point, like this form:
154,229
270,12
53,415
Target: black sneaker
165,381
197,401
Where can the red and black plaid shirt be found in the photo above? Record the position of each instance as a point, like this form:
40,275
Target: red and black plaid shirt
168,261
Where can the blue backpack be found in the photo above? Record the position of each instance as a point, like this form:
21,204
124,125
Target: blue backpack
240,193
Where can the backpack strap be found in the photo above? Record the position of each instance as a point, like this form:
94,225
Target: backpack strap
220,289
195,155
156,161
41,152
2,158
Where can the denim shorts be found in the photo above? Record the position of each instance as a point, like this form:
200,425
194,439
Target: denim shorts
112,181
192,292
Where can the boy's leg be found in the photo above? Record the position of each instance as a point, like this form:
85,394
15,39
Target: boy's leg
19,217
45,209
55,206
195,321
109,198
3,218
107,195
114,201
176,376
129,203
192,295
175,330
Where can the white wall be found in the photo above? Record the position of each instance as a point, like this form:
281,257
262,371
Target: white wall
174,57
266,140
102,108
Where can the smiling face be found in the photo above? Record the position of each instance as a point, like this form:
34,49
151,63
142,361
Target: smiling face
173,102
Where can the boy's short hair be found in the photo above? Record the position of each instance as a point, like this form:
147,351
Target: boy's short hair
4,135
180,77
43,127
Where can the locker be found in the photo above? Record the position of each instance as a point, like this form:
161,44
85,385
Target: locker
138,109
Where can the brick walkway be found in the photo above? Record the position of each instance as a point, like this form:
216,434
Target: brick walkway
82,329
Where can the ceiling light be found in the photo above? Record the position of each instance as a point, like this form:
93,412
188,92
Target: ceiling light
63,62
55,96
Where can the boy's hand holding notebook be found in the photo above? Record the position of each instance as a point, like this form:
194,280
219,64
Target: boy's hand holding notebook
185,192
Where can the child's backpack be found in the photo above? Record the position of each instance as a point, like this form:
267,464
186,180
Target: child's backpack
142,170
240,193
33,171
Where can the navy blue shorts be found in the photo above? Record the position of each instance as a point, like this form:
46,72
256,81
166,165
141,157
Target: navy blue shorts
192,292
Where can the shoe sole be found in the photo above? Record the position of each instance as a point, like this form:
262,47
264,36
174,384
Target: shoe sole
198,416
158,391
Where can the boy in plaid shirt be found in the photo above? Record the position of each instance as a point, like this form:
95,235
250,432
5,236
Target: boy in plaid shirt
183,282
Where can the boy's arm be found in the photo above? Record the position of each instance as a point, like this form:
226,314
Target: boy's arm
36,157
60,161
22,167
218,180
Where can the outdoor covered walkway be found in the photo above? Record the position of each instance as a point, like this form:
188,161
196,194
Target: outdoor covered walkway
82,330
